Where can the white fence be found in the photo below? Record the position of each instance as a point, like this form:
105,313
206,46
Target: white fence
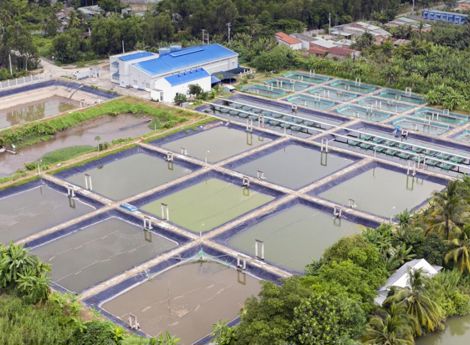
32,79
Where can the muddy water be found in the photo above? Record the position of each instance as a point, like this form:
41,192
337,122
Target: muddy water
129,176
37,209
186,300
99,252
457,332
106,128
35,110
216,144
294,166
294,237
382,192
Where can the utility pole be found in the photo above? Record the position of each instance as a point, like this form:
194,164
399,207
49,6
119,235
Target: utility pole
329,23
413,7
123,50
205,36
229,27
9,61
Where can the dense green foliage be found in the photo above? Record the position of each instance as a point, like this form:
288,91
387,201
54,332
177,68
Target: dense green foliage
331,303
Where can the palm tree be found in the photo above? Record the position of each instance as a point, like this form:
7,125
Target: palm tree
422,309
391,327
448,209
460,253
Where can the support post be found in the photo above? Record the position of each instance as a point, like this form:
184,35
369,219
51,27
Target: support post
88,182
259,249
165,210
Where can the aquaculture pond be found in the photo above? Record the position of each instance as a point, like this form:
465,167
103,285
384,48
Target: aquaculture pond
215,144
186,300
386,105
402,96
307,77
207,204
369,114
311,102
98,252
421,125
353,86
292,165
128,176
381,191
36,110
293,237
464,137
334,94
91,133
264,90
32,210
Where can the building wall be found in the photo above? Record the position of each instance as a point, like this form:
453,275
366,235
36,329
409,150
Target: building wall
168,92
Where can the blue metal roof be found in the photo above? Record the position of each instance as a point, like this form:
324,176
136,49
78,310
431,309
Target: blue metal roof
185,59
186,77
135,56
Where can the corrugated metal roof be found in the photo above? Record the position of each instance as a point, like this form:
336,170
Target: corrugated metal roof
286,38
135,56
187,77
185,58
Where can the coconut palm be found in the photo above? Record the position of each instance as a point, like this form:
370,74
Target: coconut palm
425,313
448,210
460,252
389,328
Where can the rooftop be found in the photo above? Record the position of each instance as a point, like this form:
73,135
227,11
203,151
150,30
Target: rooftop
184,59
187,76
287,39
401,277
135,56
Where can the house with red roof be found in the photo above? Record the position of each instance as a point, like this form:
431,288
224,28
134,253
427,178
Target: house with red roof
289,41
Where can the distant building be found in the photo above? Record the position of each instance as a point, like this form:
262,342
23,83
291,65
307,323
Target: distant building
446,17
90,11
172,70
289,41
343,53
352,31
304,39
463,6
401,277
414,24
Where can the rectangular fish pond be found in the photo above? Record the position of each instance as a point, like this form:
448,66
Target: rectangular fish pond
97,250
439,115
127,173
205,202
293,235
386,105
333,94
185,300
369,114
402,96
214,143
286,84
310,102
421,125
380,190
293,165
349,85
307,77
463,137
36,110
37,206
264,90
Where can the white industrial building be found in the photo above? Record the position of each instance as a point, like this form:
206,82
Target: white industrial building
172,70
